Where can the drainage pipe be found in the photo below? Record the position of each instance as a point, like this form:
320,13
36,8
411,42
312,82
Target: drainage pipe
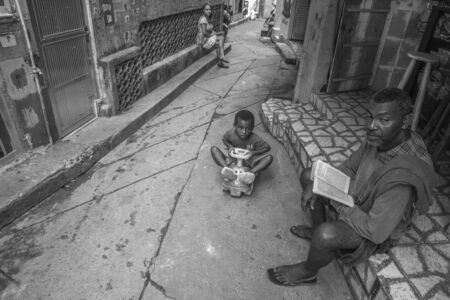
36,71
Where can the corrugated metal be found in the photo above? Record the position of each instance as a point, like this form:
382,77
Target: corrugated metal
65,51
66,60
58,16
300,19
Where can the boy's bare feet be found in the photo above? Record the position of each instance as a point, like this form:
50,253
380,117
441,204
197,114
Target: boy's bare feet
228,173
246,177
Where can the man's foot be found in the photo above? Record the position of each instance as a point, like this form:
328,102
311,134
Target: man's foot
302,231
224,60
228,173
246,177
291,275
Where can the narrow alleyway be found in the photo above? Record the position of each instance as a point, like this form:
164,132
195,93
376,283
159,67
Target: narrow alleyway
150,220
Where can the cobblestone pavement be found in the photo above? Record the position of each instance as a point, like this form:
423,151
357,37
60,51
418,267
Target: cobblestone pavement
150,220
331,128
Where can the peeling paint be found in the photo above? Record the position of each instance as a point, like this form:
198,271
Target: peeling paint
19,78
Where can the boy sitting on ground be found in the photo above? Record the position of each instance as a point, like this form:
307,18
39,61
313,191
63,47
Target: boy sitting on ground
242,136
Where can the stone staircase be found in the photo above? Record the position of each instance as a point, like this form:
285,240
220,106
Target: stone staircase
331,127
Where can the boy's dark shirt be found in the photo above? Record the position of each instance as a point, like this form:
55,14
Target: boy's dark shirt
254,142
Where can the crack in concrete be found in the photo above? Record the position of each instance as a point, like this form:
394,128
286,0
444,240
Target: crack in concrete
102,165
221,75
160,288
186,112
98,198
208,91
165,229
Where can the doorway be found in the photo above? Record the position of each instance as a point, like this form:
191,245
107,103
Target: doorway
299,19
359,32
62,38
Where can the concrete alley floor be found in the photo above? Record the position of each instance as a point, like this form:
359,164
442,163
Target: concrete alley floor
150,220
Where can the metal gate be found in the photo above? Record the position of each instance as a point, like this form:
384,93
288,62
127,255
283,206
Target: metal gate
299,18
360,29
62,39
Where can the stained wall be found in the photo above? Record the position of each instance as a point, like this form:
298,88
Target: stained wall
116,22
17,86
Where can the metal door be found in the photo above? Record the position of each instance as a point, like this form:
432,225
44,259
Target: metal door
299,18
360,29
62,39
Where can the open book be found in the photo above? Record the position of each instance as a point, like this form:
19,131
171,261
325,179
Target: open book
331,183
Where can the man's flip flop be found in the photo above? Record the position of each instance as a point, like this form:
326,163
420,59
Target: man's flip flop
302,231
284,281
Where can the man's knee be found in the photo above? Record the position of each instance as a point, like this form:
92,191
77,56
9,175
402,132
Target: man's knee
305,176
326,235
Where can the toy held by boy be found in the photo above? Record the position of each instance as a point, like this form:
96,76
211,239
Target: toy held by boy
242,136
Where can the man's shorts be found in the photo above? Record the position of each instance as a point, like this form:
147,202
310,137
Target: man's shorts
250,163
210,42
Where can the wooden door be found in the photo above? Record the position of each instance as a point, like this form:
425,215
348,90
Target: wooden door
360,28
62,39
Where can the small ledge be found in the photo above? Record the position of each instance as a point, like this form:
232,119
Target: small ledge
8,18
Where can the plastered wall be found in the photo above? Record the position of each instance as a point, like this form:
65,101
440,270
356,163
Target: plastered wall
282,17
17,85
116,22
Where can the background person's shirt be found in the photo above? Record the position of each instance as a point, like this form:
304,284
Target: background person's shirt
209,28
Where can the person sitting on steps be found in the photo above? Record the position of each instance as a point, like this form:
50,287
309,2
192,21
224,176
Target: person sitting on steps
207,38
242,136
392,178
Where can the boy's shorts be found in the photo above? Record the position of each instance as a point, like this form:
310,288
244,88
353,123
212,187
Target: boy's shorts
250,163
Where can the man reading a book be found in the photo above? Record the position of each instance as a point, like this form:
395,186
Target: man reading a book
391,179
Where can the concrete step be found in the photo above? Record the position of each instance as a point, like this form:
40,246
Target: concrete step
353,104
310,133
45,170
265,32
286,52
331,130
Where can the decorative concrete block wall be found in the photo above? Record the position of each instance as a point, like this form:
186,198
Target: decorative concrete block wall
158,39
116,22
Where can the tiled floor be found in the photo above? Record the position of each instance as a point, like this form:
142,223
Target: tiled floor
331,127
